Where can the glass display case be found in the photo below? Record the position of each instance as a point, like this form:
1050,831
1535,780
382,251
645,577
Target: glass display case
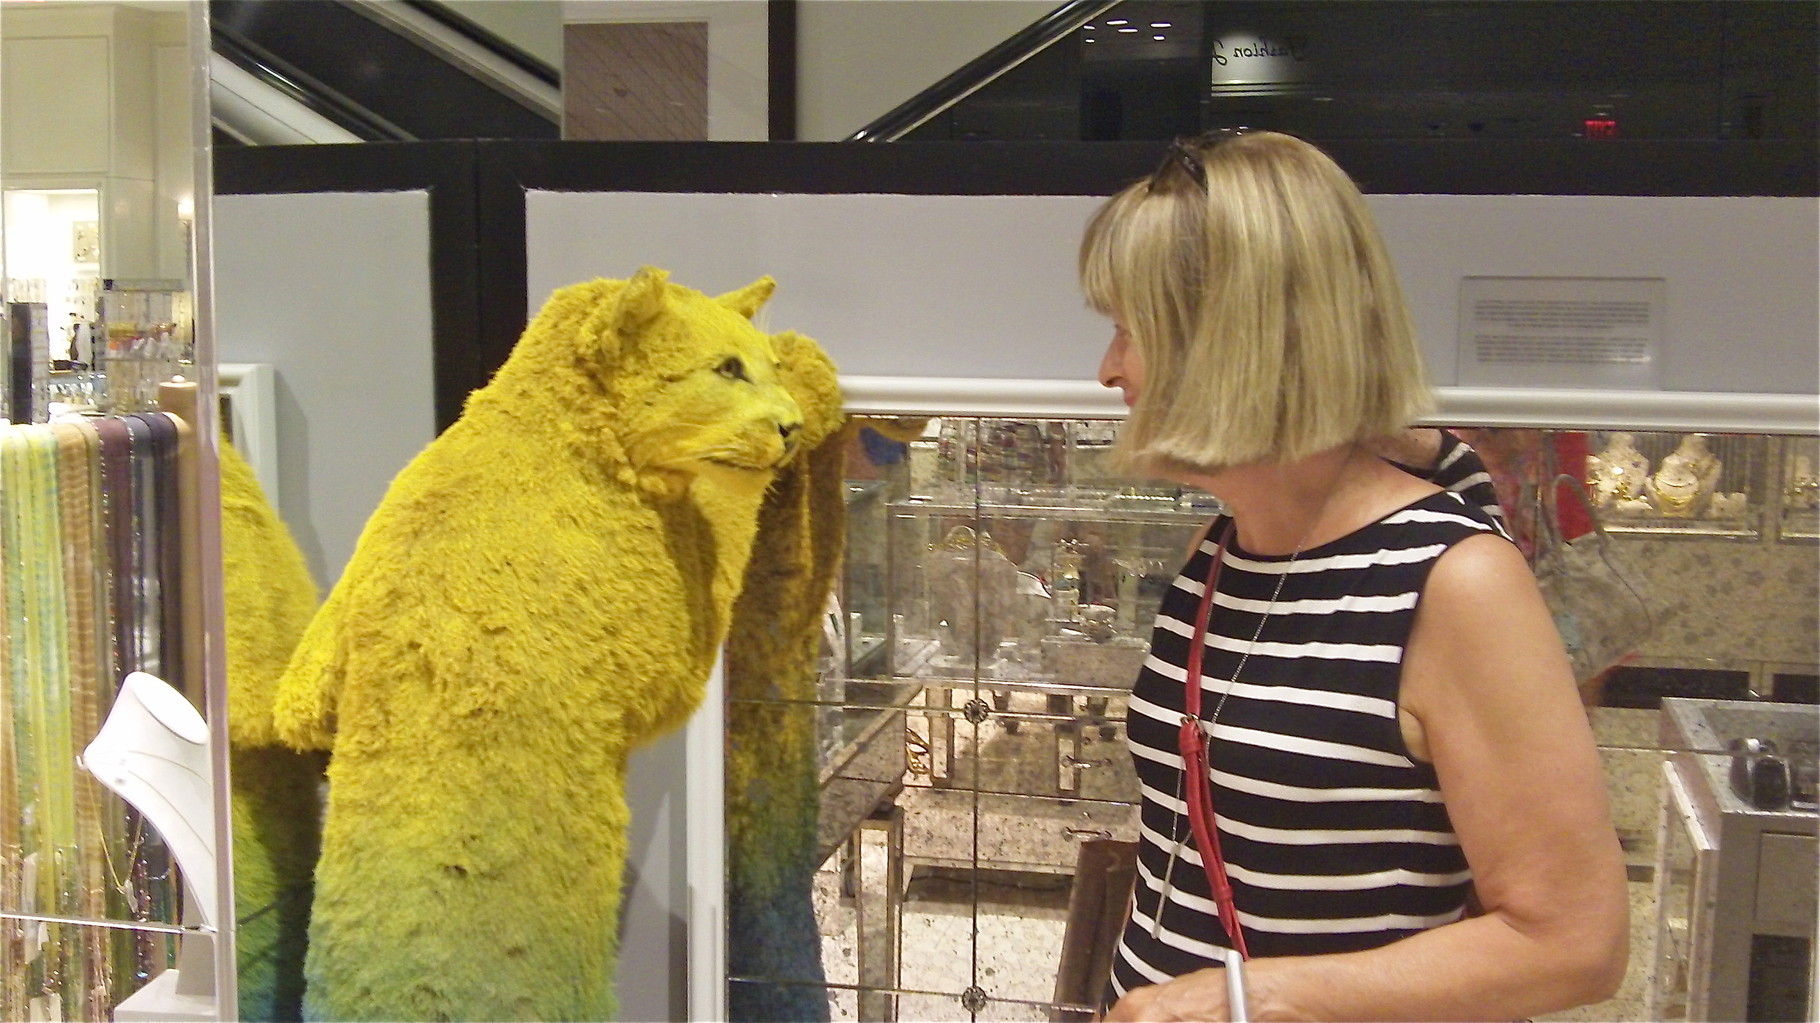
1799,489
1734,880
1706,484
1682,483
998,593
995,607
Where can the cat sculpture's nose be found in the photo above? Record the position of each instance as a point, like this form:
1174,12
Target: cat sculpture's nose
791,434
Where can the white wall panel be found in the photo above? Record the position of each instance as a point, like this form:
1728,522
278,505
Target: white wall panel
333,290
1743,311
984,286
894,285
57,118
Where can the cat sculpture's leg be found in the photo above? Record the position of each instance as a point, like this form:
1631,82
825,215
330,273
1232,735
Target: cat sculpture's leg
469,885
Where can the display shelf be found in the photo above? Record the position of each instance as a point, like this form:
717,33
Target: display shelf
1746,527
1090,506
971,830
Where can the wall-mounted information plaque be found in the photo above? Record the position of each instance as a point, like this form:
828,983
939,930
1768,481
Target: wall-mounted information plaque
1597,332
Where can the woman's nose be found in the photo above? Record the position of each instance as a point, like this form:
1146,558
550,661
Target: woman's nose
1111,366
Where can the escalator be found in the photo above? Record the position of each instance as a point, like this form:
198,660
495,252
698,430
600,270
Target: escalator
289,71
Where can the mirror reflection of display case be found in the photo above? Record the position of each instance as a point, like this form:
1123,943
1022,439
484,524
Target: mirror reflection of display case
998,585
997,597
53,285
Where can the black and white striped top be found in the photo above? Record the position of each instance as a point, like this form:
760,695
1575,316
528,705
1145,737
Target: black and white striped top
1335,838
1460,469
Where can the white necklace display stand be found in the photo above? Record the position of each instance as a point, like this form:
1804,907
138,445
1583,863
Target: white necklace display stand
1619,473
153,752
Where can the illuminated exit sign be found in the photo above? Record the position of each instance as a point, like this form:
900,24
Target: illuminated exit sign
1601,128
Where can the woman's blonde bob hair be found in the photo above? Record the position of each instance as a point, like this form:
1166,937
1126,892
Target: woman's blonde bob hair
1262,302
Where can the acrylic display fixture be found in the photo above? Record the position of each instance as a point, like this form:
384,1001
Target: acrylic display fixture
106,175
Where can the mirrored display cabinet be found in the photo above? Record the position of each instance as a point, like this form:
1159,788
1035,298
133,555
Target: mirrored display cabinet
998,591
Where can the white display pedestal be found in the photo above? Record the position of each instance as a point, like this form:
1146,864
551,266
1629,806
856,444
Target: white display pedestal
672,960
185,994
153,751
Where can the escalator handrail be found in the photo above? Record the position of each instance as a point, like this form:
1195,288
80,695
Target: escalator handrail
488,40
480,53
982,70
302,87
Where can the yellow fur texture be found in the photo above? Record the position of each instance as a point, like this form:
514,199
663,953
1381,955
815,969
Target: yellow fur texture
269,596
543,587
772,783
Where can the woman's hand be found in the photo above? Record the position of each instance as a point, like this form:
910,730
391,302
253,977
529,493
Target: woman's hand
1199,996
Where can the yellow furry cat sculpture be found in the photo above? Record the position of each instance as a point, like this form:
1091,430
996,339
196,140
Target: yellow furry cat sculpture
544,587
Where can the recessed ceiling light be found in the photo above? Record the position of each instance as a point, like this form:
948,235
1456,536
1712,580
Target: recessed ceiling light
1159,24
1127,30
1158,38
1117,21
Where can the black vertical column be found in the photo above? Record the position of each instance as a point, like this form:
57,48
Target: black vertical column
780,35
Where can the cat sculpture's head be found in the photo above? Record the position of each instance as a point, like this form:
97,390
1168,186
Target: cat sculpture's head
693,387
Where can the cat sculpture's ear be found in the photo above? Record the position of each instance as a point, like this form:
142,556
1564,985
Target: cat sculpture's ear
642,300
747,300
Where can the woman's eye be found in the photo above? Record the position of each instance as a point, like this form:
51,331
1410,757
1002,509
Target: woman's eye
732,369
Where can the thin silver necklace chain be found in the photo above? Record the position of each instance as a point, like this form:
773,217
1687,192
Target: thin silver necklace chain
1177,840
1233,680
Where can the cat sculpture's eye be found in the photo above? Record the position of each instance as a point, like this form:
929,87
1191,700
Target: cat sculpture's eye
733,369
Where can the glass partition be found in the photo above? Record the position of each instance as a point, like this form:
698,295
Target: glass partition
996,605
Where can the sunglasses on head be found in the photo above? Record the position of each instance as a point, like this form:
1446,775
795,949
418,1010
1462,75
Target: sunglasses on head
1184,154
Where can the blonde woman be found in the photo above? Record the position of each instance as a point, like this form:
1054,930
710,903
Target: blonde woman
1391,726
